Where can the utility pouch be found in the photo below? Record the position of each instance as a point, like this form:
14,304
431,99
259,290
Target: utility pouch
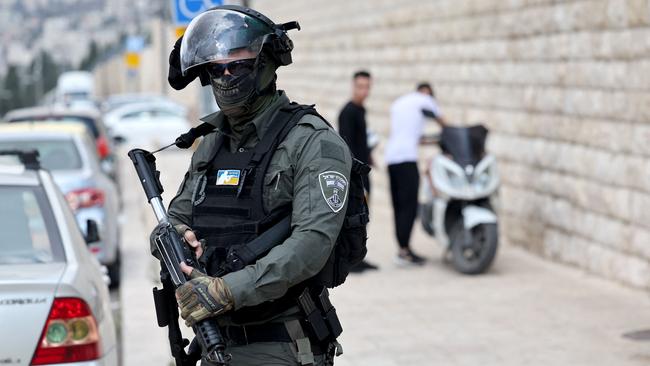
160,300
315,322
329,314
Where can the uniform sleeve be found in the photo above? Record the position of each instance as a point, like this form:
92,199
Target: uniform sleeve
431,105
322,165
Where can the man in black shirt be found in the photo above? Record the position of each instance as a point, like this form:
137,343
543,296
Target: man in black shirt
352,120
352,127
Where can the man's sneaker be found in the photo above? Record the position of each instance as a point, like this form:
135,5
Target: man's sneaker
363,266
409,258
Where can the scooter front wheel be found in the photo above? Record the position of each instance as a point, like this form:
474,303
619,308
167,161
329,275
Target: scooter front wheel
426,218
473,250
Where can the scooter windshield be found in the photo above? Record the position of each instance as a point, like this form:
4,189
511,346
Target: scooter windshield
466,145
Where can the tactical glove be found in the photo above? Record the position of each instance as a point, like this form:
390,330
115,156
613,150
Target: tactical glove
175,76
203,297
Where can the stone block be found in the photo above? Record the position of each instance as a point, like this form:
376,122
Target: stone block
617,15
638,12
639,244
566,248
640,203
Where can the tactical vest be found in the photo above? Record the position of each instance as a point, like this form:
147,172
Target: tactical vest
230,210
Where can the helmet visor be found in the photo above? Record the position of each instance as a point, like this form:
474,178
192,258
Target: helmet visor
222,35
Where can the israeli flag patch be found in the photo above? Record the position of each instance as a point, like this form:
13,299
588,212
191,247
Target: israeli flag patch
228,177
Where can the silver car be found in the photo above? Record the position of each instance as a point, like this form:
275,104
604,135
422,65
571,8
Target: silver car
67,151
54,303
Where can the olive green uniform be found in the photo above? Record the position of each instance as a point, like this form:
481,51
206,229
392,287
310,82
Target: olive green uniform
293,177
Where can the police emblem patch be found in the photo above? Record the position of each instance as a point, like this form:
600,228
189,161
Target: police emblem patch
334,186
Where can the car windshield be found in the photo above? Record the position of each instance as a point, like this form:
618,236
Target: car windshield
29,233
61,154
90,123
153,113
77,95
115,103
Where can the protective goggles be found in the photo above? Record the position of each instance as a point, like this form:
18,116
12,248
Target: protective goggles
235,68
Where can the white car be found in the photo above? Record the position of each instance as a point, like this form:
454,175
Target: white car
54,303
76,89
119,100
147,124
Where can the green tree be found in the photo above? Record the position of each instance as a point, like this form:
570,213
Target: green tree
51,71
88,62
29,94
13,86
23,87
4,103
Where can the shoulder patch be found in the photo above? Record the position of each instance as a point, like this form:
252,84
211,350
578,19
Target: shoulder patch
314,121
334,187
331,150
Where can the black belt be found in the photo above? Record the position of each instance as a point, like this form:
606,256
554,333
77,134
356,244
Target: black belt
243,335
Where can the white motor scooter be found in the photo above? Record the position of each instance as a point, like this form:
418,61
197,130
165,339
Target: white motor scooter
458,209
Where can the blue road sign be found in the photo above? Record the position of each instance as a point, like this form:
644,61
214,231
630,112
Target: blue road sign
135,43
183,11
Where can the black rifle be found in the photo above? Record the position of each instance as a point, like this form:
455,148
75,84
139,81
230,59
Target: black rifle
173,251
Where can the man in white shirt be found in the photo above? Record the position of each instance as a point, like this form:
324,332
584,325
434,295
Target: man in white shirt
408,114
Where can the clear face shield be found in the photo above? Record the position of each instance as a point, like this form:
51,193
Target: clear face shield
222,35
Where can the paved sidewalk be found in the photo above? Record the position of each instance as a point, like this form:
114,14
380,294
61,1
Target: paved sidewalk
144,343
525,311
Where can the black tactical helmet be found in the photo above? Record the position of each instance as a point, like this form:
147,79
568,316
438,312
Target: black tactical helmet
218,34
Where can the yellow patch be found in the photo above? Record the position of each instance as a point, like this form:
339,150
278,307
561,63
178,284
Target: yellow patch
228,177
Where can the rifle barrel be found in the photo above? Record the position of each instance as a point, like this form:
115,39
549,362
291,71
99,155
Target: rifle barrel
159,210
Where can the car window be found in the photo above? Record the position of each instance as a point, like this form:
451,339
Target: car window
164,113
54,155
151,113
90,123
136,115
29,232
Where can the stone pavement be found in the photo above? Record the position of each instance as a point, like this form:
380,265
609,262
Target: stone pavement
525,311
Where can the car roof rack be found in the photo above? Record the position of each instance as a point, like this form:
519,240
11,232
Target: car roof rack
29,158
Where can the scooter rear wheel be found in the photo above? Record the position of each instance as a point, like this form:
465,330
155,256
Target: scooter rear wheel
473,250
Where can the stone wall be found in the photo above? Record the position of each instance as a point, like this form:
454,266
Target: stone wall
563,86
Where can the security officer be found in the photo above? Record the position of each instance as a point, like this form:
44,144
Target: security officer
260,164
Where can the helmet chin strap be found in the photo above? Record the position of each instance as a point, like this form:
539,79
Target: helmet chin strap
260,63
